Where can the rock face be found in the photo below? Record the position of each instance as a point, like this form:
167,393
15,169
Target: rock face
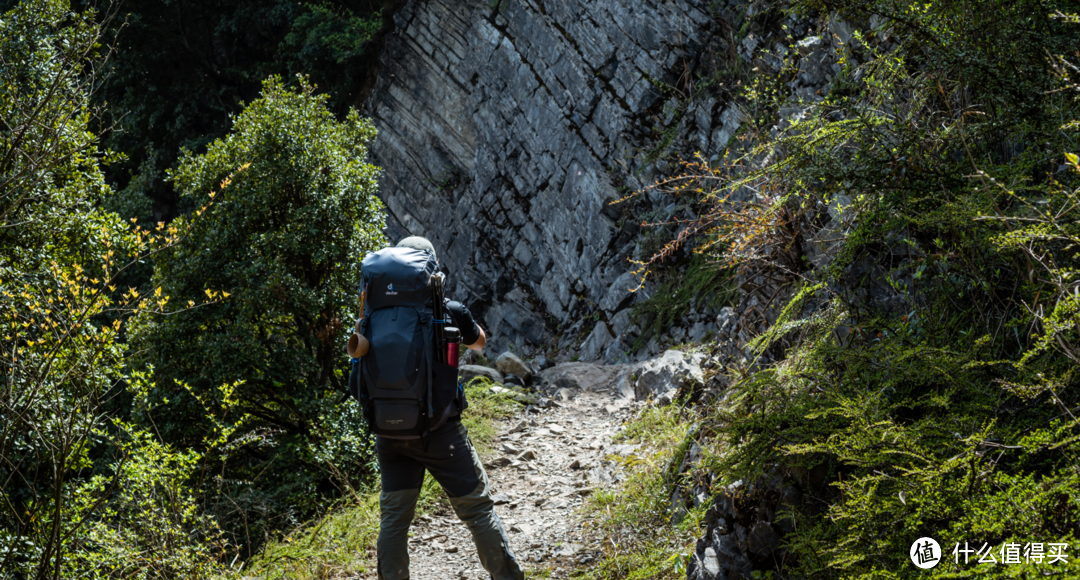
506,128
663,376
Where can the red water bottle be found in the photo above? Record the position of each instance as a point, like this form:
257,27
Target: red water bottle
453,340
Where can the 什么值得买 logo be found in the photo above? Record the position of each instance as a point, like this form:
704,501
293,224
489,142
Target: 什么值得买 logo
925,553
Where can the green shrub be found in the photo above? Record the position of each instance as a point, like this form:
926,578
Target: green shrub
929,368
278,253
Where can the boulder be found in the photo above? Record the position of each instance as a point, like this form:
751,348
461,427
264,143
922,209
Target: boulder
542,362
582,376
510,363
762,540
665,374
467,373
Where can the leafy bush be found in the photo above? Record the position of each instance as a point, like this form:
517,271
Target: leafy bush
83,495
929,364
279,254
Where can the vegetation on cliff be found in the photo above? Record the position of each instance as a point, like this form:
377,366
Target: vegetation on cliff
924,216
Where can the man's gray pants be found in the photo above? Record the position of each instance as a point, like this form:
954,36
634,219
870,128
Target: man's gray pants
453,462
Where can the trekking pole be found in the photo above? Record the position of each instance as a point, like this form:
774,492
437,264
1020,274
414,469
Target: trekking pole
437,313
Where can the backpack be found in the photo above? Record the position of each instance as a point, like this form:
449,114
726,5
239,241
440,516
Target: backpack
404,391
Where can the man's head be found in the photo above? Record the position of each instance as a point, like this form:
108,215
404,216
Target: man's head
417,243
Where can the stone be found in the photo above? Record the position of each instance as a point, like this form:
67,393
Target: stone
510,449
622,450
698,331
510,363
568,549
710,565
841,29
512,379
500,499
467,373
498,462
542,362
809,44
526,456
582,376
762,539
564,394
670,371
726,322
556,429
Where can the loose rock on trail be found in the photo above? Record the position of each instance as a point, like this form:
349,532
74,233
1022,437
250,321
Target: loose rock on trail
545,462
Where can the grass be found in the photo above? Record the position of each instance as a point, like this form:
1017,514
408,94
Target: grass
641,539
342,543
702,282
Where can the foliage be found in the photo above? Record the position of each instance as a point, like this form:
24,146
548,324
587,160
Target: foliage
79,487
282,245
182,71
335,546
702,284
151,525
641,537
930,358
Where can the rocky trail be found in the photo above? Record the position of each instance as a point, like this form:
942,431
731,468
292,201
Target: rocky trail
546,461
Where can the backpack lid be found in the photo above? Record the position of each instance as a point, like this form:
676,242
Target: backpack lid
397,277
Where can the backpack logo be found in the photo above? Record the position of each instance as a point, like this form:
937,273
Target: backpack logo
390,290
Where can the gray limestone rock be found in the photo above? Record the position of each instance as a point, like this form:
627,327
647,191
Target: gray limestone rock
510,363
542,362
582,376
468,372
667,373
598,340
619,293
710,565
762,540
528,110
727,321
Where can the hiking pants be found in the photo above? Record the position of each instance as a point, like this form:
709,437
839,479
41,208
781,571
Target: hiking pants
453,462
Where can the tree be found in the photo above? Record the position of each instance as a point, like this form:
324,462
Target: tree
283,246
69,471
183,70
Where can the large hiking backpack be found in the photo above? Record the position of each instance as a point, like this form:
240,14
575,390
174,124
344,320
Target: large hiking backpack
404,391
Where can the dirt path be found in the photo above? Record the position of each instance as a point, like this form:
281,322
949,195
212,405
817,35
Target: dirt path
544,465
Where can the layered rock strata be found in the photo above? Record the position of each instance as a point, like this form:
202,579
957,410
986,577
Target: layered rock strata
507,127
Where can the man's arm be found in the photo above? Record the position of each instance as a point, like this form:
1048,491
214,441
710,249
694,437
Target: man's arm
480,342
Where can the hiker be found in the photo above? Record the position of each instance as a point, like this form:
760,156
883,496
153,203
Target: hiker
413,431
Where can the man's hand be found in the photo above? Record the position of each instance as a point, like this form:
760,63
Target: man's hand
480,342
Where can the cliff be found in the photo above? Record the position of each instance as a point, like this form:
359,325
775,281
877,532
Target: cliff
506,128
